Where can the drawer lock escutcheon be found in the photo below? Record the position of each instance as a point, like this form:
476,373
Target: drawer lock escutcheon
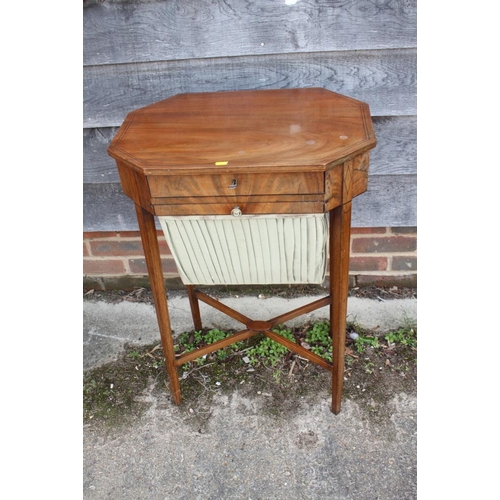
233,184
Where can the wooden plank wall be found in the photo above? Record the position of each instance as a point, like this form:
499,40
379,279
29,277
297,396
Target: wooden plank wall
137,53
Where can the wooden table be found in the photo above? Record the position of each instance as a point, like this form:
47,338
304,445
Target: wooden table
292,151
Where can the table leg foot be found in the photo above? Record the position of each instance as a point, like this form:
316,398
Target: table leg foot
176,394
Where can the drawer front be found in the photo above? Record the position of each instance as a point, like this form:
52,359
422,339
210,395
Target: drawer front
244,207
236,184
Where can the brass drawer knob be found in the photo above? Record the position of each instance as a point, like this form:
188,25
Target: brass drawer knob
236,212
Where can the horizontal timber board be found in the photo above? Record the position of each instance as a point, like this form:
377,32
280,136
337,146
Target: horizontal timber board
385,79
115,33
395,153
391,200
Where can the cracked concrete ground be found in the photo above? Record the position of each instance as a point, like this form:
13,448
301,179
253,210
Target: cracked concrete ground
241,451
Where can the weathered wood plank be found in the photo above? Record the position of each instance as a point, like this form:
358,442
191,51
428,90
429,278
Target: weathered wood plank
396,151
385,79
158,31
106,208
98,166
391,200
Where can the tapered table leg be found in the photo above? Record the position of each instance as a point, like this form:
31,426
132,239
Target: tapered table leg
155,271
340,235
195,307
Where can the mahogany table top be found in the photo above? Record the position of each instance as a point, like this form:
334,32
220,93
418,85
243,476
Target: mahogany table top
251,130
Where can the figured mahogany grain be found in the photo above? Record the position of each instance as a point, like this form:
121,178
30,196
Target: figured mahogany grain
244,130
236,184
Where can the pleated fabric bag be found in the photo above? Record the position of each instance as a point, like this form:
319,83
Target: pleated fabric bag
253,249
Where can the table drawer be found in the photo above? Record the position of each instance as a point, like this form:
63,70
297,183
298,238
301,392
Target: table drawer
236,184
246,208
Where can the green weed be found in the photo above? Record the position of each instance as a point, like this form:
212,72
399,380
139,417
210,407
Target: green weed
363,341
404,336
268,351
320,340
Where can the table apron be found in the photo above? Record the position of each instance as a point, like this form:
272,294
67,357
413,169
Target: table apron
270,207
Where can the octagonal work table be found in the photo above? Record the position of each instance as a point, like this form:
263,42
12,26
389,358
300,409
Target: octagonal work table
249,187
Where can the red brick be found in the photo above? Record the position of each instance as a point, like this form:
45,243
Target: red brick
368,230
404,263
103,266
162,245
384,244
85,249
129,234
100,234
368,264
116,248
138,266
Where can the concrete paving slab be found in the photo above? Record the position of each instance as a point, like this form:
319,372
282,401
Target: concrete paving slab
233,449
243,454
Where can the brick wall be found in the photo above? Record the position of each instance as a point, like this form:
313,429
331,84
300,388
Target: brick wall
379,256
